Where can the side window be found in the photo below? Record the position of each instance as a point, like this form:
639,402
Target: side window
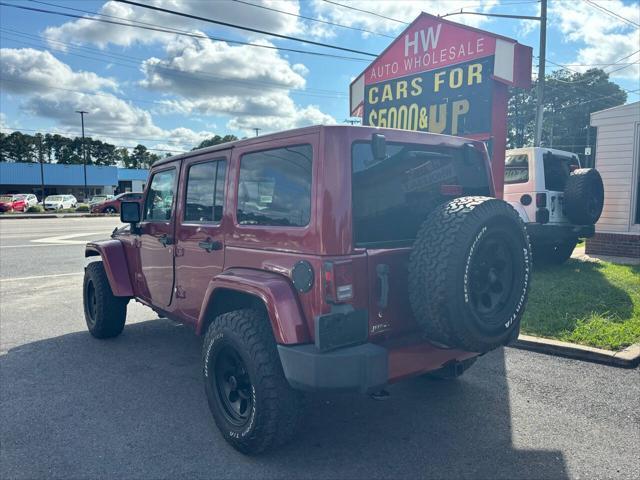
159,202
275,187
205,192
516,169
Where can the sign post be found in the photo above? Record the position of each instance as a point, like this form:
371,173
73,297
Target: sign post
439,76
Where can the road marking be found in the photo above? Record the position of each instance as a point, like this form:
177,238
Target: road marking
65,239
39,245
36,277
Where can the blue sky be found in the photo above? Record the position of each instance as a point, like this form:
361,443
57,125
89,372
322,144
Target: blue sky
170,91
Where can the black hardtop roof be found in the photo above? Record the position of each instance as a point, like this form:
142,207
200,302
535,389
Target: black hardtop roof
294,133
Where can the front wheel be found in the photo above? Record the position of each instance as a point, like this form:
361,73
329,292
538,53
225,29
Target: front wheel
109,210
104,313
252,403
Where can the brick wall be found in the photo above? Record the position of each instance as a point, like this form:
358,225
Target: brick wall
615,244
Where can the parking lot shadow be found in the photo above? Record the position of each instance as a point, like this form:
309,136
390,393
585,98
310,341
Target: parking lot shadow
134,407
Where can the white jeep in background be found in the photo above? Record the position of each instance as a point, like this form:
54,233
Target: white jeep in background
558,200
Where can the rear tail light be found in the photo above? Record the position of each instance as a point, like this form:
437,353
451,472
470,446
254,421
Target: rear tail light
541,200
337,281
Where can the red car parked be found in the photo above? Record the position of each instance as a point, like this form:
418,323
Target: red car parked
324,258
17,203
113,205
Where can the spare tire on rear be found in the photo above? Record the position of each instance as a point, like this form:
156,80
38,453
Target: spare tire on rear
584,196
469,274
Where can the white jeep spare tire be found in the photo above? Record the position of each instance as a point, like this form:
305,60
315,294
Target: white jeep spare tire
584,196
469,274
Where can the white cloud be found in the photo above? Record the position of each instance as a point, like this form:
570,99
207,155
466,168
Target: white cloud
606,39
228,11
27,70
111,119
403,10
249,85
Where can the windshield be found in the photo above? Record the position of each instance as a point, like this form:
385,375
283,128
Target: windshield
392,197
55,198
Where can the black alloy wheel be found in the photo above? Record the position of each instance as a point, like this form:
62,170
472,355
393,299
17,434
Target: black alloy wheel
92,304
233,386
491,278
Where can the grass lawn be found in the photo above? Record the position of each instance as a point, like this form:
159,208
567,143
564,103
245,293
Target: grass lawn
591,303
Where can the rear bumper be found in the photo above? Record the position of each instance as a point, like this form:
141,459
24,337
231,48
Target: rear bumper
362,368
550,233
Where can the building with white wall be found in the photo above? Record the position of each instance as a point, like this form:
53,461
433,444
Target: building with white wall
618,161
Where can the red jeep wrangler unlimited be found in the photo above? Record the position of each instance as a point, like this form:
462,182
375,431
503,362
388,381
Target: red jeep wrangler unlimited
340,258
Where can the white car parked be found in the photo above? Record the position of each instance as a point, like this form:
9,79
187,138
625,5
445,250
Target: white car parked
58,202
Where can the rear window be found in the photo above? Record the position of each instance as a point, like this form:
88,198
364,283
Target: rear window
516,169
557,169
391,198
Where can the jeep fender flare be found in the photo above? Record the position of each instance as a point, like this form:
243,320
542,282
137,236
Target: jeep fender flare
274,290
521,211
115,265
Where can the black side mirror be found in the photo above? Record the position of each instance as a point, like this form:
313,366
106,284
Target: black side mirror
379,146
130,212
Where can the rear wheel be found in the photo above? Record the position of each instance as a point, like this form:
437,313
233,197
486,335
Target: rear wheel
555,254
104,313
469,274
252,403
109,210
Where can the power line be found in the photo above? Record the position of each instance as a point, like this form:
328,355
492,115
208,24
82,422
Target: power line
407,23
575,71
612,13
176,72
180,32
326,22
248,29
366,11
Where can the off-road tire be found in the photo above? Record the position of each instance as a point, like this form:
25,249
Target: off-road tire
584,196
277,408
447,373
105,318
443,286
550,254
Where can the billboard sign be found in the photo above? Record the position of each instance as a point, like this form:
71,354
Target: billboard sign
442,77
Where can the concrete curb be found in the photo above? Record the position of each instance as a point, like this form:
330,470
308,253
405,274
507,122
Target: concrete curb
54,215
627,358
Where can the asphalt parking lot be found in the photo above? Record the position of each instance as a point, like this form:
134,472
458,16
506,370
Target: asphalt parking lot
134,407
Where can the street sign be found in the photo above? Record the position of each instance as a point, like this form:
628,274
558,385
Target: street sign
439,76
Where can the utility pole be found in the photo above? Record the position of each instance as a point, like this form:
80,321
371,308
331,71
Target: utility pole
257,130
84,155
543,49
537,139
41,170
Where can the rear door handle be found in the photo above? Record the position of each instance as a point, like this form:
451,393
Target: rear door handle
210,245
165,240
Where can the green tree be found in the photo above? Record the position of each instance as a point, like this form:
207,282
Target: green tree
215,140
569,100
